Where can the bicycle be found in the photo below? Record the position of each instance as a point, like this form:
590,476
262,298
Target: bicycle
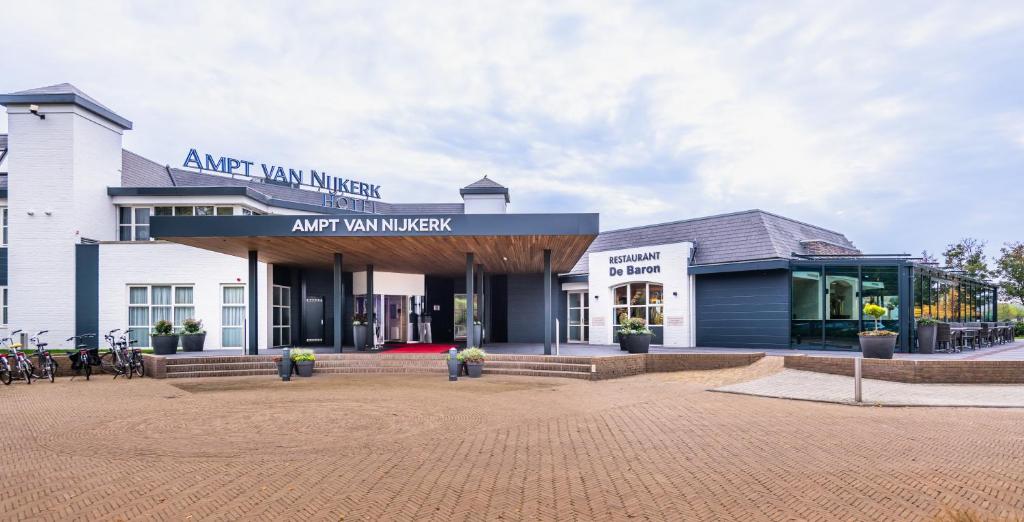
47,364
135,358
115,360
22,365
85,358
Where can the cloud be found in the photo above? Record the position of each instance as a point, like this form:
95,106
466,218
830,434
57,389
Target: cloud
864,117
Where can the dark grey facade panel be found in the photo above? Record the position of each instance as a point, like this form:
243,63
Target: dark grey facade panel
526,307
87,290
742,309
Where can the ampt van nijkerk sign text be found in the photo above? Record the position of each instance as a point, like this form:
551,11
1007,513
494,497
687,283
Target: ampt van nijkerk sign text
318,179
373,225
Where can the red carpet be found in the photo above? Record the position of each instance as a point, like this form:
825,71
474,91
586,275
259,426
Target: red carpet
419,348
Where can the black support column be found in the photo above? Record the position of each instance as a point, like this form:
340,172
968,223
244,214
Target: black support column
479,287
470,341
371,338
339,303
547,302
254,304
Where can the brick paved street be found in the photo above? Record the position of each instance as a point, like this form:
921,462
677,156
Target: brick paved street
656,446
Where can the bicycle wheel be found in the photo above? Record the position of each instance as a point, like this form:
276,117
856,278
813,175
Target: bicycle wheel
87,368
26,373
5,376
126,367
107,363
51,370
139,366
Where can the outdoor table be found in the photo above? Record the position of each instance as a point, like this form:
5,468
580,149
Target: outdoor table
961,329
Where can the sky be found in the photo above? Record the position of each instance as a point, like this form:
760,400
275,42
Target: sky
899,124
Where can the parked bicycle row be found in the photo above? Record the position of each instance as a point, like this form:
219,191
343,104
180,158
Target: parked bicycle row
36,362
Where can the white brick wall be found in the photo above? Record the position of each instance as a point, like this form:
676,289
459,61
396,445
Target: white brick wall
158,263
674,264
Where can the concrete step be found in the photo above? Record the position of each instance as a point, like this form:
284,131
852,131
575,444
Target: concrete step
538,365
219,373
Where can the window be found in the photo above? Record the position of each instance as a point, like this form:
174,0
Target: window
460,314
232,324
194,210
282,315
3,223
3,304
133,223
641,300
148,305
579,317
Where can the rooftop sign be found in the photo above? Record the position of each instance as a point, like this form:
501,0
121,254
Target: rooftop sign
282,175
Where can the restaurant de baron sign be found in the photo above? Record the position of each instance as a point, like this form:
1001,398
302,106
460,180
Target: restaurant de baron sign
634,269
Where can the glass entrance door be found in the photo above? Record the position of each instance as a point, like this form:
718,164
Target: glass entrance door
579,317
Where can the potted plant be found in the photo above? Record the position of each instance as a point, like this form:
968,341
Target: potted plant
303,361
193,337
926,329
165,341
877,343
473,358
359,330
636,334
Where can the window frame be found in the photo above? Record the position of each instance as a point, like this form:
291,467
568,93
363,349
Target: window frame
173,306
584,323
245,310
279,330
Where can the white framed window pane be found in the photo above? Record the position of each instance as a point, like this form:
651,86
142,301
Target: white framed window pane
638,294
204,211
140,336
231,337
142,233
234,295
232,315
124,233
124,215
137,295
163,211
141,216
183,312
161,295
574,316
286,317
183,295
225,211
138,316
183,211
574,300
160,313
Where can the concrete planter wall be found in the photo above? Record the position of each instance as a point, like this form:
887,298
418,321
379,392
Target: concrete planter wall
877,346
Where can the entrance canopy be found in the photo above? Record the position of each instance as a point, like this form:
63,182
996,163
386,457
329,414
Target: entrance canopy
426,244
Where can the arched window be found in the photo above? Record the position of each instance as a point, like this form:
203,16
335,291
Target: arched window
645,300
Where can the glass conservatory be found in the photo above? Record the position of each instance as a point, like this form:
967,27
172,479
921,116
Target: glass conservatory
828,294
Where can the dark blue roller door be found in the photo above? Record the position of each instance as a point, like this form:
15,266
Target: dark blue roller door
743,309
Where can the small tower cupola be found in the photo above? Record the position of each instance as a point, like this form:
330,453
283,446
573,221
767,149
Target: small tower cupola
485,196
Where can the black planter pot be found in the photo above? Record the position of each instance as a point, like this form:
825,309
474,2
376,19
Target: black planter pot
637,343
193,342
304,368
359,336
475,369
622,342
877,346
926,338
165,344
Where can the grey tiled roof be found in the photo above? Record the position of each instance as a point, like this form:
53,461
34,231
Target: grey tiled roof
137,171
727,238
484,182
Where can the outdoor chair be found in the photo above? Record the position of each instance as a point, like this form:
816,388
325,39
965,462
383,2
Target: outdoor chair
970,339
944,338
984,336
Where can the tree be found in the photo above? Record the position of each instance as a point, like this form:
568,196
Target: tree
1011,312
928,259
1010,269
968,256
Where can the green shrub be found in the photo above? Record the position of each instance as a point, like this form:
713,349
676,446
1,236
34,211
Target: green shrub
358,319
303,354
471,355
1018,329
192,327
927,321
163,327
632,326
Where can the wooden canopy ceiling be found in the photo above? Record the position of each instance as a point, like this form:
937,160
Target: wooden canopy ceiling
436,255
